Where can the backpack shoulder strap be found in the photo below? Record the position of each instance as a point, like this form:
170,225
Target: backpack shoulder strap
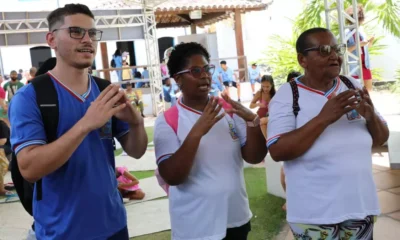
101,83
47,101
295,93
347,82
171,117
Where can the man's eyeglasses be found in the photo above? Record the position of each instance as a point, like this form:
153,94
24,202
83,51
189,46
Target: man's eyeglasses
198,71
79,33
326,50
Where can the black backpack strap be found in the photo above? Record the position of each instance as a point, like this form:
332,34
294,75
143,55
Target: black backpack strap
295,93
103,84
347,82
47,101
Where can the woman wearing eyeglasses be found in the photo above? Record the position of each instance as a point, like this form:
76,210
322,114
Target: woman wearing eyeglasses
200,150
325,143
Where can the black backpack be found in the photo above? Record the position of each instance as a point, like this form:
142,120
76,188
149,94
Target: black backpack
47,100
112,63
295,92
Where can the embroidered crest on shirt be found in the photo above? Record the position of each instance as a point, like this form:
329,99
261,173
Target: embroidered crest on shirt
232,130
105,131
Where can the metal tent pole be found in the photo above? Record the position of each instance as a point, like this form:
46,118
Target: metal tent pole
153,58
340,17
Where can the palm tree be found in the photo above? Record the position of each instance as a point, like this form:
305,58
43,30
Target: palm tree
386,14
281,55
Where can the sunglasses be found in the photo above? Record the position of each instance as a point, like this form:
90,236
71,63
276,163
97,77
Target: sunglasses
326,50
79,33
198,71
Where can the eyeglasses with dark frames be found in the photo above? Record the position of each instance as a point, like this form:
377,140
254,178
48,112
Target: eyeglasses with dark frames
198,71
79,33
326,50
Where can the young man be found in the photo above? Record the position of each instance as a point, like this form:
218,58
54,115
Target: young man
254,76
13,85
80,196
229,78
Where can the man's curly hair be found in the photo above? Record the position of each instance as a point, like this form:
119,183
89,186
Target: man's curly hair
179,57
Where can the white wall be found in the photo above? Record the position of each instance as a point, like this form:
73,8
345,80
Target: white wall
15,58
389,60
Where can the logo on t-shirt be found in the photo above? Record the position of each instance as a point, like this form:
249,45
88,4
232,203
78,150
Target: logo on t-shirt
106,131
353,115
232,130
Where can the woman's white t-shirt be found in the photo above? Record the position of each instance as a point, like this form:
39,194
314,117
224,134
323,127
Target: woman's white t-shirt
213,198
332,182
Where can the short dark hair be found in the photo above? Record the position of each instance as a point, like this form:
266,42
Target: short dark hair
13,71
179,57
59,14
292,74
223,62
254,65
303,43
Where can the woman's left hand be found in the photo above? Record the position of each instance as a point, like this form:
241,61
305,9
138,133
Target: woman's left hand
365,108
239,109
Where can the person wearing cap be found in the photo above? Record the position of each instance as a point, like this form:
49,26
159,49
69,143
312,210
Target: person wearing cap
254,76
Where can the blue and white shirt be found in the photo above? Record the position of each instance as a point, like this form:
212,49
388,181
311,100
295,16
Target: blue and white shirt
80,199
227,76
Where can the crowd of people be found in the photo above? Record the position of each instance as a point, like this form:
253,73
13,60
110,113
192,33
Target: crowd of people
201,141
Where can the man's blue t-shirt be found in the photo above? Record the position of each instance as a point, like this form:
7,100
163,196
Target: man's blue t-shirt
254,73
80,199
227,76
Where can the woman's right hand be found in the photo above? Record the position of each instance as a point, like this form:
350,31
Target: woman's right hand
339,105
209,117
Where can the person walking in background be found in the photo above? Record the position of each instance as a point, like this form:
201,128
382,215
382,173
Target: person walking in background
229,78
118,63
12,86
126,73
217,87
365,43
254,76
261,100
170,91
32,74
146,75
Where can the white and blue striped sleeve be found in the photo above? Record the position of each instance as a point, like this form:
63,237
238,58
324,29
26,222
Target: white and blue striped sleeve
281,117
26,122
166,142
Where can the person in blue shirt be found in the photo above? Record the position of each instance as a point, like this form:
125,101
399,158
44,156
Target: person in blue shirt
229,78
80,195
170,91
117,57
145,75
138,76
216,85
254,76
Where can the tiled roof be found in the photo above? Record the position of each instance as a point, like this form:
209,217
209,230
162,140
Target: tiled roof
176,5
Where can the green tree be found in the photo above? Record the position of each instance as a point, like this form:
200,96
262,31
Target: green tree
281,57
281,53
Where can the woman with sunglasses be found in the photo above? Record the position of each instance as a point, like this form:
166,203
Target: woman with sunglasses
326,144
200,150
